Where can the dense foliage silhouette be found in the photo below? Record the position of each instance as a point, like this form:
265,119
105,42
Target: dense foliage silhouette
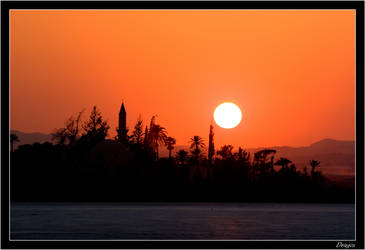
85,166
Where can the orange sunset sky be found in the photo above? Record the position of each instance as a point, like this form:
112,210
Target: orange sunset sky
292,72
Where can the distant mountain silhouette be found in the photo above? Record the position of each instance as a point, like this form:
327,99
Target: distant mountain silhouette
330,145
30,138
337,157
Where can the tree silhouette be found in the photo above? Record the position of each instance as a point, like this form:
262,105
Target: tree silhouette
305,171
146,138
59,135
157,136
181,156
242,155
152,122
95,129
211,144
225,152
13,138
283,162
260,159
138,131
85,172
197,145
293,168
261,155
70,133
170,142
314,164
73,128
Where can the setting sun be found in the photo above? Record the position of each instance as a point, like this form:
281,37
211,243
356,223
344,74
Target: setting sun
227,115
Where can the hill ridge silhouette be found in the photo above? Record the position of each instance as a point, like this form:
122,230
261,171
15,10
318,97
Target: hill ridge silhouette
45,135
337,157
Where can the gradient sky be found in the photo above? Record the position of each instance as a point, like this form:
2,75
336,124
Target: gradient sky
292,72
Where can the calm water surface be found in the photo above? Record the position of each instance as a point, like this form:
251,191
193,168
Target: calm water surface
187,221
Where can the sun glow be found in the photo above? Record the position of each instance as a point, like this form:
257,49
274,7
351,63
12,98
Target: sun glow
227,115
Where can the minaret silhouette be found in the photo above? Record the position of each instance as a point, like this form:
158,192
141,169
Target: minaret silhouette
122,123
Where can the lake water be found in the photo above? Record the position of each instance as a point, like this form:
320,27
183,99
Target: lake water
182,221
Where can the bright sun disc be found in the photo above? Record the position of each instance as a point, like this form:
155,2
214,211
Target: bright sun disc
227,115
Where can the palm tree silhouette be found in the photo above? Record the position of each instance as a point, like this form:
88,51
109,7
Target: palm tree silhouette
197,144
261,155
181,156
283,162
260,159
242,155
314,164
170,142
305,171
158,136
13,138
293,168
225,152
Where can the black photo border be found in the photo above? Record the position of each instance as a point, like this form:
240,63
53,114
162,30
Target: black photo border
6,243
